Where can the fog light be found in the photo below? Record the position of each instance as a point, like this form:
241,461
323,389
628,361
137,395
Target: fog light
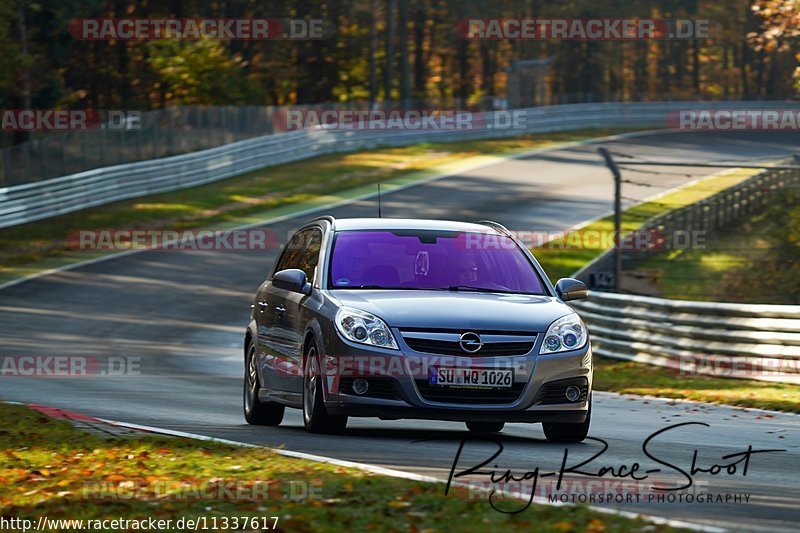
360,386
572,393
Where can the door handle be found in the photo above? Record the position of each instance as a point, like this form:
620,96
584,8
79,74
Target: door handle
280,309
263,306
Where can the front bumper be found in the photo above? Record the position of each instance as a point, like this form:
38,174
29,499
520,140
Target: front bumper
399,388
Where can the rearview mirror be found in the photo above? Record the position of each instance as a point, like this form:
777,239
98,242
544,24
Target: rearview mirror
571,289
292,279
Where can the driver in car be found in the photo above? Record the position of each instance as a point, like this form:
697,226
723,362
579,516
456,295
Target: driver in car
465,269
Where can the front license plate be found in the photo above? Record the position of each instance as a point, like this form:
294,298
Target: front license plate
471,377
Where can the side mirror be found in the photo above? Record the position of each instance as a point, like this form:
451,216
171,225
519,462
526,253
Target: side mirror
571,289
292,279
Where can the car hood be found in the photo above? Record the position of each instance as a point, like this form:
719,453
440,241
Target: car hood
457,310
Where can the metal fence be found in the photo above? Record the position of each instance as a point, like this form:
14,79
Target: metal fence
42,199
161,133
750,341
709,215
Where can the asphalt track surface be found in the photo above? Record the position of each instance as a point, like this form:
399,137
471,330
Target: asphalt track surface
182,315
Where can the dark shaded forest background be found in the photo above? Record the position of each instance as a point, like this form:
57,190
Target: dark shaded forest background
390,51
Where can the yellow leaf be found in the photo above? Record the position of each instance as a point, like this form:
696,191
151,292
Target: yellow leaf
399,505
596,526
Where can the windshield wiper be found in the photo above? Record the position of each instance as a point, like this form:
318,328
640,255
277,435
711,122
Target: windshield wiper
383,287
455,288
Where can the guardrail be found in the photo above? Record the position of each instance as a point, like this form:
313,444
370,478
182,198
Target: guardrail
751,341
28,202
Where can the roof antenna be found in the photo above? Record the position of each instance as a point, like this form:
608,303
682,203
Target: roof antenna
379,200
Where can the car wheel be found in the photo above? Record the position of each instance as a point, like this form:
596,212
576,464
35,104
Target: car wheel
561,432
486,427
257,412
315,417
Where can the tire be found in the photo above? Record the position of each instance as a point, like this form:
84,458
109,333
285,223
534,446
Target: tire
486,427
315,416
257,412
568,433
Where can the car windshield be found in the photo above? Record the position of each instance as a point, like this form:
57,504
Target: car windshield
431,259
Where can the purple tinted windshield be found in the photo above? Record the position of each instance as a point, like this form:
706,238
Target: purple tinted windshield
431,259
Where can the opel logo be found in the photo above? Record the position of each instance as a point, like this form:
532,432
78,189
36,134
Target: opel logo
470,342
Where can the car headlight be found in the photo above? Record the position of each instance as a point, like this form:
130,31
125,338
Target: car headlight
566,333
364,328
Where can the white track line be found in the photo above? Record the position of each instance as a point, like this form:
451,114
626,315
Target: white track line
346,201
411,476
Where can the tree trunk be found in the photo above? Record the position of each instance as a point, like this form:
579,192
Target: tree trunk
373,52
388,81
405,93
743,70
463,80
22,26
419,53
696,67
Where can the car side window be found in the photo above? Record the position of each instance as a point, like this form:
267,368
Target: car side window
290,257
310,256
302,252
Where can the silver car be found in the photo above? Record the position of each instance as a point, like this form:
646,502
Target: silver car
420,319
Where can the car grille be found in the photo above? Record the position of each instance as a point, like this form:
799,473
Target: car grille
385,388
468,396
445,342
553,391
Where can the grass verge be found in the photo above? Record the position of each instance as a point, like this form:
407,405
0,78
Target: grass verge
258,196
48,468
754,260
638,378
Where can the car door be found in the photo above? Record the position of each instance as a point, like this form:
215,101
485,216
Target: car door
280,323
292,321
272,342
